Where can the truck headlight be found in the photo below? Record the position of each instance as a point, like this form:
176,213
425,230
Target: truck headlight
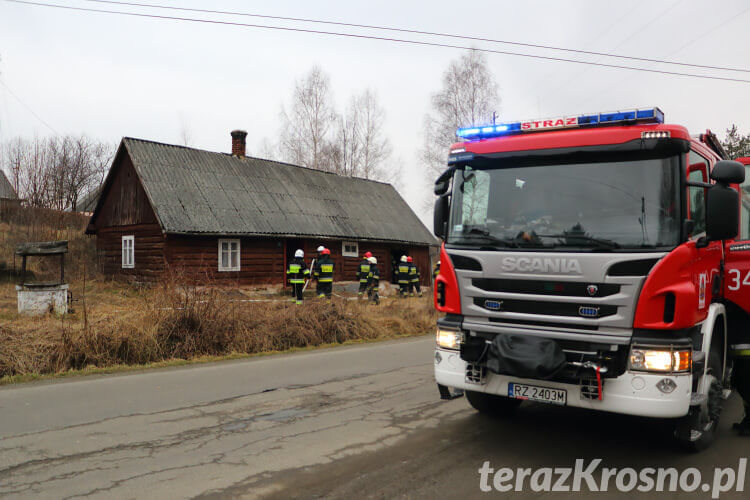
661,360
448,339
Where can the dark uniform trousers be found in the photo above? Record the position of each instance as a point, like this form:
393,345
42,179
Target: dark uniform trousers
373,282
414,280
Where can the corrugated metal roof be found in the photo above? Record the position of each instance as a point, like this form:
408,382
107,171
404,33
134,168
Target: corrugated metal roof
197,191
6,189
88,202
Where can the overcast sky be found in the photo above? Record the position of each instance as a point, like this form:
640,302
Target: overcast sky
110,76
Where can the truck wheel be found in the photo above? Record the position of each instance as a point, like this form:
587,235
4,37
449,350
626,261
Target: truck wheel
696,431
498,406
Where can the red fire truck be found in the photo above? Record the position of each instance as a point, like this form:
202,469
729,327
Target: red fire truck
599,261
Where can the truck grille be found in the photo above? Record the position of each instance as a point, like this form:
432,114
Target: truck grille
600,295
569,309
560,288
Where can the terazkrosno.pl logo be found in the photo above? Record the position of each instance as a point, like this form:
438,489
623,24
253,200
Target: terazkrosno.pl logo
590,477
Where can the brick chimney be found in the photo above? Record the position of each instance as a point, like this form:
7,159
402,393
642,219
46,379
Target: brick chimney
238,143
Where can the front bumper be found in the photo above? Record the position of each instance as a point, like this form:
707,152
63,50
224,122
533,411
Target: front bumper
630,393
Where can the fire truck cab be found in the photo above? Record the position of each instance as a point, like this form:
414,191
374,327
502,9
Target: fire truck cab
598,261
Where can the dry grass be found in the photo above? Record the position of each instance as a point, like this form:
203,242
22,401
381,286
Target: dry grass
122,325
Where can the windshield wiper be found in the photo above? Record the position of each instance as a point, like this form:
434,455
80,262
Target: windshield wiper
600,241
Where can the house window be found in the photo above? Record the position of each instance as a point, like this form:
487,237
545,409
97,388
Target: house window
349,249
128,252
229,255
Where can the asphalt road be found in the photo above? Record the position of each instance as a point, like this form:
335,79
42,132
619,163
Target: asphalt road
348,422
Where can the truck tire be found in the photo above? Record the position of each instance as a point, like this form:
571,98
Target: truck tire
498,406
697,431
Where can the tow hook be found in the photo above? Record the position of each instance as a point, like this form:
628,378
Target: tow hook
590,365
586,390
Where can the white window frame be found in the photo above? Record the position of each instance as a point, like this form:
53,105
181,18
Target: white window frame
128,251
229,241
344,253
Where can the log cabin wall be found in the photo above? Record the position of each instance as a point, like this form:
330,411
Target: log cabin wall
263,260
126,211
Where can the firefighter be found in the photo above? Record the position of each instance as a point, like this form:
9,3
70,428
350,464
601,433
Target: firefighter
741,381
436,271
413,278
316,269
296,274
402,274
324,272
363,273
373,282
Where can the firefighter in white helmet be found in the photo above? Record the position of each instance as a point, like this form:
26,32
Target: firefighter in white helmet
402,274
373,281
316,269
297,273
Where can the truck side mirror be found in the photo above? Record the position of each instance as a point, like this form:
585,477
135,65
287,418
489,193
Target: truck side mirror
722,211
440,216
728,172
443,182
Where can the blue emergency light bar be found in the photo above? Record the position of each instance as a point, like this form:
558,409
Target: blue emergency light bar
648,115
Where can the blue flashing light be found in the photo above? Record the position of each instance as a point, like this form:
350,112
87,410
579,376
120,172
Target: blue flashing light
648,115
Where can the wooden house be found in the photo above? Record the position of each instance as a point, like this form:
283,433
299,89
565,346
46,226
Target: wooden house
239,219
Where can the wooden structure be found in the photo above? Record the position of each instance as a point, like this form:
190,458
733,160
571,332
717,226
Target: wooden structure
237,220
42,297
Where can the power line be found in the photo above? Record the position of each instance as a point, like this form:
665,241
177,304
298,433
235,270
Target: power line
733,17
372,37
420,32
630,37
28,108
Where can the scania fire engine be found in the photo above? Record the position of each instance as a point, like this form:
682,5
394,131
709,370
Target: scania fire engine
599,261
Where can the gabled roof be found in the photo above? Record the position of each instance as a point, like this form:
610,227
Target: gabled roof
89,201
193,191
6,189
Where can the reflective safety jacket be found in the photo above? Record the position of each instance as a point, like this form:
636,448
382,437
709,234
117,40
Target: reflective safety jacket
403,273
740,350
324,270
297,271
436,271
373,275
364,271
413,273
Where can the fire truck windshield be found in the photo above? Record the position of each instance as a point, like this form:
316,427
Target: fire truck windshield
601,205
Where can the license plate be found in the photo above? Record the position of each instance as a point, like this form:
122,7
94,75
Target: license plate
535,393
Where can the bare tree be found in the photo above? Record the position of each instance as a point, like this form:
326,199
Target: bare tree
35,179
361,148
469,97
307,126
56,172
14,156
